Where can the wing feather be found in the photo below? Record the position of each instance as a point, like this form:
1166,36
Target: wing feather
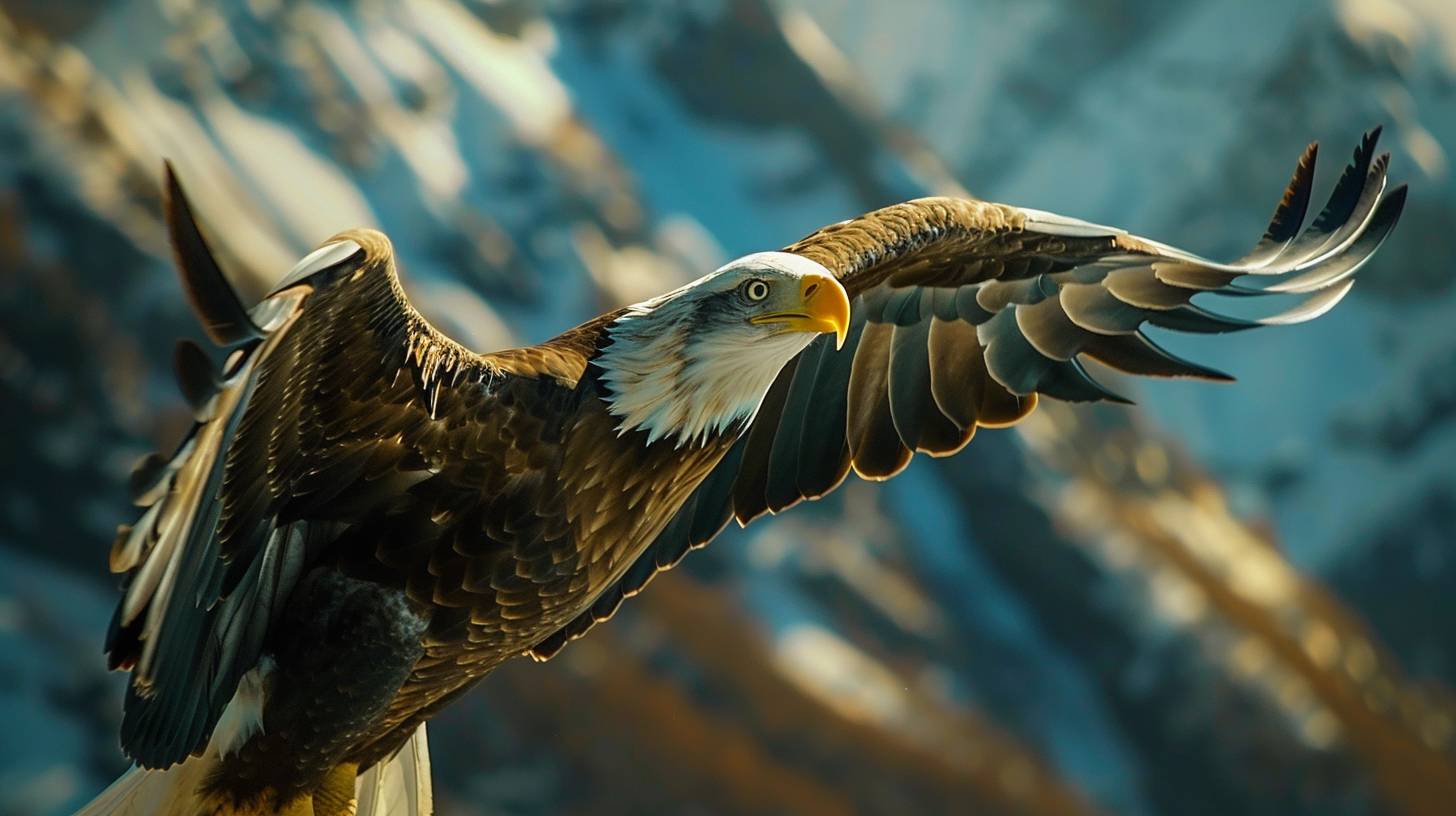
213,299
965,311
800,410
875,448
753,491
320,414
823,445
957,371
917,418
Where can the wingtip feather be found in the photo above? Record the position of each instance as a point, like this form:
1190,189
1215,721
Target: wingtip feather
212,298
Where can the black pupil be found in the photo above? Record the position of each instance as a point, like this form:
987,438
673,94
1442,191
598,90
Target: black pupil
758,290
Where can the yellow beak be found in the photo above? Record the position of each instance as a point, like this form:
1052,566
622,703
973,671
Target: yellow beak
823,307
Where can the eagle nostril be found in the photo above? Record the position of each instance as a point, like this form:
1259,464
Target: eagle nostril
810,290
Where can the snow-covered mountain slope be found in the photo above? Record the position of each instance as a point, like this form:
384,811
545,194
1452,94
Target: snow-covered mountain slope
1089,615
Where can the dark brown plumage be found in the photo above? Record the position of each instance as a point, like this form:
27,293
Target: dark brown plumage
346,443
965,311
357,436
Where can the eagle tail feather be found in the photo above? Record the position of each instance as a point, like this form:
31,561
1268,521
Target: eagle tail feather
142,792
399,786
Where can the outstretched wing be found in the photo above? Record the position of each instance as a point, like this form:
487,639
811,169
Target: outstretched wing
964,312
321,413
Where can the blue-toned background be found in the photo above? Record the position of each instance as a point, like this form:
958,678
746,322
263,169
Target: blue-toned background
1230,599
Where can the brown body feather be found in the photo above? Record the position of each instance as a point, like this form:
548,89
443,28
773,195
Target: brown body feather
494,491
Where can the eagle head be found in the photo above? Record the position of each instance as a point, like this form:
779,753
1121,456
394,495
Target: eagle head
698,360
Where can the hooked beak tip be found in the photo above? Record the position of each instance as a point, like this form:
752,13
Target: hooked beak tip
827,305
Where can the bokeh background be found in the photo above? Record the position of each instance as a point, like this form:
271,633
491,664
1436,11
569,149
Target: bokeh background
1229,599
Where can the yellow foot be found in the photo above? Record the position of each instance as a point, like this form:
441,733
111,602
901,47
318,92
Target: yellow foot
266,805
335,796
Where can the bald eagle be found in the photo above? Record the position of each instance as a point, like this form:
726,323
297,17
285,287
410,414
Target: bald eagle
367,518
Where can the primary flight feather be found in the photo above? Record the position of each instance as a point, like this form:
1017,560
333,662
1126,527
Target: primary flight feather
367,517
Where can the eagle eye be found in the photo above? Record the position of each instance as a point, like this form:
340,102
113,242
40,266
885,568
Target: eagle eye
755,290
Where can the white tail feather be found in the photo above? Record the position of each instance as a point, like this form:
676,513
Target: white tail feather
398,787
140,792
401,786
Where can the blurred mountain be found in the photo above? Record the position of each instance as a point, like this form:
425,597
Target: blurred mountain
1229,600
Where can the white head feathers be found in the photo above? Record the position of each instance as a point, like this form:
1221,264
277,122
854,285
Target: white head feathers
689,364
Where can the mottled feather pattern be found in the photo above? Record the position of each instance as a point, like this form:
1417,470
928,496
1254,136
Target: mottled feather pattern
965,312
